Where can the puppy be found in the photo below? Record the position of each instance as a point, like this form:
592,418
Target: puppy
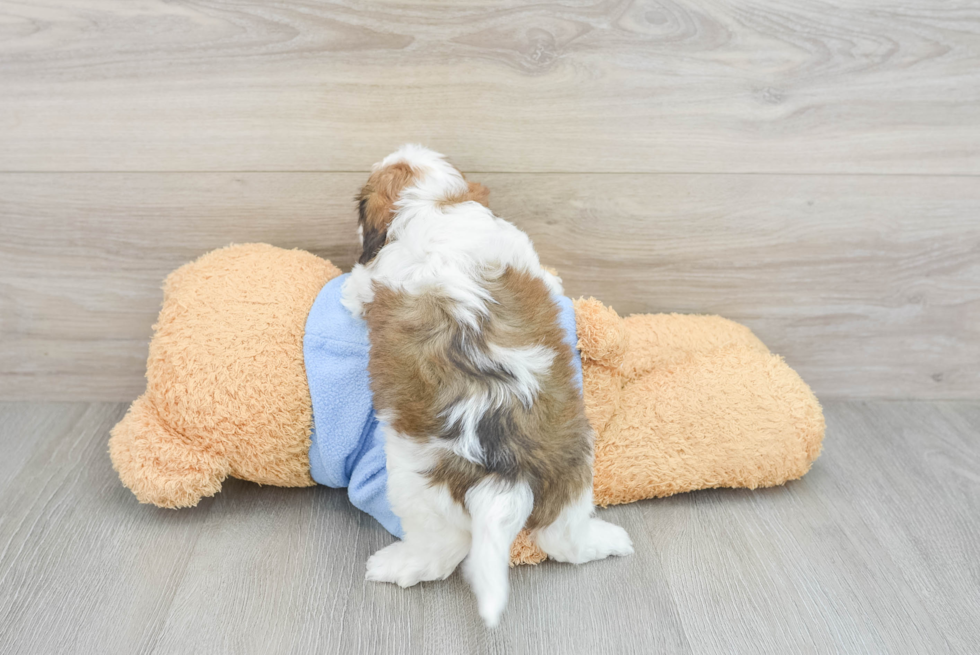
485,429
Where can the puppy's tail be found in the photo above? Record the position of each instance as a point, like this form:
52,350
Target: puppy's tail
499,510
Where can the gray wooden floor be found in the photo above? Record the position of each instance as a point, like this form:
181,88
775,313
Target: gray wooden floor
876,550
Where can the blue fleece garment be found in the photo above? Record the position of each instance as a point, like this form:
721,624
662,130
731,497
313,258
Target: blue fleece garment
347,444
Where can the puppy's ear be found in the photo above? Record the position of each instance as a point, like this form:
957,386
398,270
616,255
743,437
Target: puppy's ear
478,193
372,238
376,206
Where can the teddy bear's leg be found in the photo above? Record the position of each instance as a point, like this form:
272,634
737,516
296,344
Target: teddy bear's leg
158,465
578,537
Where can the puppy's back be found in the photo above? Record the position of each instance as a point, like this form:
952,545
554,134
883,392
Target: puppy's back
500,397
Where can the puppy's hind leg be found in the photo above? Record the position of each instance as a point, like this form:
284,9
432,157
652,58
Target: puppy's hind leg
578,537
433,555
436,529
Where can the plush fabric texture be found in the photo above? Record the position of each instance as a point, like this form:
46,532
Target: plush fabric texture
226,389
678,402
347,444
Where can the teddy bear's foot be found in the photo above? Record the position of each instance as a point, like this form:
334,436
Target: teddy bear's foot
157,464
405,563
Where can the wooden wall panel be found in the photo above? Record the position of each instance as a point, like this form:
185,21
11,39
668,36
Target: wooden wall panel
868,285
608,86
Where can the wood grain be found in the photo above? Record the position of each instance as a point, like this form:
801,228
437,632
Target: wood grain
822,560
936,454
868,285
604,86
875,550
83,567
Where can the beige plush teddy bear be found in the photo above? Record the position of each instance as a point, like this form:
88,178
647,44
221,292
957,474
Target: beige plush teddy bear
677,402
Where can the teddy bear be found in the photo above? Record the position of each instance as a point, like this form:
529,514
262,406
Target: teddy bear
677,402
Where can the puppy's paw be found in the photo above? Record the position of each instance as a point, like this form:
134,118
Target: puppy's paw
404,566
597,540
394,564
609,539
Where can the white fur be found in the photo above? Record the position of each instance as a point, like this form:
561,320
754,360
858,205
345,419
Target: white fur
528,365
499,510
466,414
440,179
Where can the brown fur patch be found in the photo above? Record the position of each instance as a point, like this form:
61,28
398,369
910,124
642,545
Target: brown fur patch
375,205
421,365
478,193
475,192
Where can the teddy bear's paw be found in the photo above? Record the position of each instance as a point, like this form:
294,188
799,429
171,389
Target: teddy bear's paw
404,566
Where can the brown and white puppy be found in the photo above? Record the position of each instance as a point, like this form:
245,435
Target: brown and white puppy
485,429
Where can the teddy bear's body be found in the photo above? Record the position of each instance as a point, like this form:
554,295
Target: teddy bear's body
677,402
